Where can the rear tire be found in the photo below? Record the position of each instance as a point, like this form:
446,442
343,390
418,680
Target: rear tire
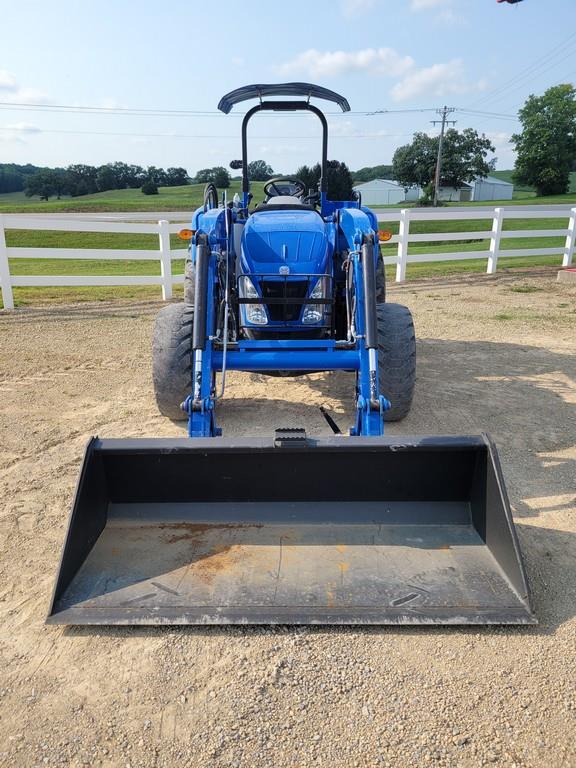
396,358
172,359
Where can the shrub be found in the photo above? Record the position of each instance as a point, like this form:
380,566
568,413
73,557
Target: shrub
150,188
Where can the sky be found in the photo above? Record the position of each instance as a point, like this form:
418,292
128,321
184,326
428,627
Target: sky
177,58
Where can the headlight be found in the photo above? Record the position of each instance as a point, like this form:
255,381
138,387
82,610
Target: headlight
314,313
255,313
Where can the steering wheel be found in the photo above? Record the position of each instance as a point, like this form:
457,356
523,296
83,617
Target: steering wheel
277,187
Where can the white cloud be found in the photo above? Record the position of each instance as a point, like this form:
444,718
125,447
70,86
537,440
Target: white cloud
438,80
31,96
16,132
445,10
341,128
7,81
424,5
352,7
11,90
441,79
382,61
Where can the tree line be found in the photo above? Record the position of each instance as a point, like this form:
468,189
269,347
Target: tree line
80,179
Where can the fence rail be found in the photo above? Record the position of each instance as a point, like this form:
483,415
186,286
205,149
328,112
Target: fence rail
135,223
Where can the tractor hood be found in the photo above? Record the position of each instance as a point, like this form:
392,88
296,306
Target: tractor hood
293,239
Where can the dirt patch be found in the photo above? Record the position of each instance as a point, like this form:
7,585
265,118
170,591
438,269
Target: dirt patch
292,697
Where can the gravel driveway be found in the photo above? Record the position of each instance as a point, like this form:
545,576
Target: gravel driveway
495,354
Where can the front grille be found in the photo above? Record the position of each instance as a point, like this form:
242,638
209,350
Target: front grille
286,290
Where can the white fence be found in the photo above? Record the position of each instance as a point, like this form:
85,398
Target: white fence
164,253
163,228
497,233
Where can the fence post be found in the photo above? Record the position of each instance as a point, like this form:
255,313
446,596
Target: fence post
165,259
403,233
5,282
570,240
495,240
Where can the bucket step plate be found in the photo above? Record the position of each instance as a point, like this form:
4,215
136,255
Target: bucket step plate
335,531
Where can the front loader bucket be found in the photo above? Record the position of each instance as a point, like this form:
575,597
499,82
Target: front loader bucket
331,531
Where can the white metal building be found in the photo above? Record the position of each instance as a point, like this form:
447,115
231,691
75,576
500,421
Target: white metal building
492,188
461,194
479,190
381,192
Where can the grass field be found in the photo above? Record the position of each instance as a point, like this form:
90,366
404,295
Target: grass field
188,198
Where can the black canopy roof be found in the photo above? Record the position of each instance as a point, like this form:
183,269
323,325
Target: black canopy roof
280,89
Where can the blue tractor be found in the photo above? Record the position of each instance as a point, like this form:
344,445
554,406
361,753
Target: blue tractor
292,285
363,529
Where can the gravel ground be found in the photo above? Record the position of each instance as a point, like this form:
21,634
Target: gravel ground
495,354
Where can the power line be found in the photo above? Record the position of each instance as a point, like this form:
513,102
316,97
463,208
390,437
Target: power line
528,72
35,131
479,113
159,112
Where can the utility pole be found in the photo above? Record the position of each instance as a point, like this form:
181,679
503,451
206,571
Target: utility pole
444,112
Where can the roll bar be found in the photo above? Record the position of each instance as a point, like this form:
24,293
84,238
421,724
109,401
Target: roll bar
308,90
282,89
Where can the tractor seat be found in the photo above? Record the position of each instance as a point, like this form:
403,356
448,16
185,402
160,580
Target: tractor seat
284,200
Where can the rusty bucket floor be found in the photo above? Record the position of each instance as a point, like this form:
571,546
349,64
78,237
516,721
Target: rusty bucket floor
151,565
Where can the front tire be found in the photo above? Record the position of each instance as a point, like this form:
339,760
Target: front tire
396,358
189,282
172,359
380,280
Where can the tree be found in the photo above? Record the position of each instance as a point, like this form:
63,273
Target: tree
259,170
106,179
60,182
309,176
221,177
11,180
150,187
176,177
157,175
373,172
217,175
340,184
81,179
41,184
547,145
415,163
338,179
464,158
125,176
